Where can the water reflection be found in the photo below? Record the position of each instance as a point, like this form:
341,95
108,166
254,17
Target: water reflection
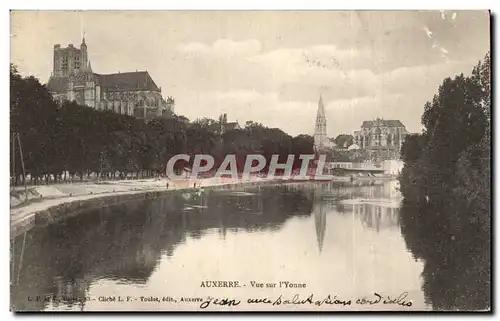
376,204
125,242
456,274
349,235
320,224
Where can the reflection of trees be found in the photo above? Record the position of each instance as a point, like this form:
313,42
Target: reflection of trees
457,256
125,242
120,241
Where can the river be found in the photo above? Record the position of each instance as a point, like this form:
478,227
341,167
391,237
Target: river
339,246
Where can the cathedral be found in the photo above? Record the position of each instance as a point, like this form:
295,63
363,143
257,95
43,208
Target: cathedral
130,93
381,138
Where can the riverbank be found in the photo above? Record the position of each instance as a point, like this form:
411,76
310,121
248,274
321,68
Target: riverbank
52,202
49,203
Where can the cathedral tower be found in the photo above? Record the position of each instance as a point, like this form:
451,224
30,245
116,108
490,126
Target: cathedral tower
320,137
68,60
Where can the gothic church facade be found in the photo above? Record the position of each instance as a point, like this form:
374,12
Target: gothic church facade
130,93
382,139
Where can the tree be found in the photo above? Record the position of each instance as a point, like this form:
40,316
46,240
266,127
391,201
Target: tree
344,140
446,183
252,124
81,140
473,170
412,148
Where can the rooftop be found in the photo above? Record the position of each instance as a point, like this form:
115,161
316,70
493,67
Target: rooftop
382,122
232,126
126,81
138,80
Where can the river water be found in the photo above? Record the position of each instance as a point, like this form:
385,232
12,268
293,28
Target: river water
336,242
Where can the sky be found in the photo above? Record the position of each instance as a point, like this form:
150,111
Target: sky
270,66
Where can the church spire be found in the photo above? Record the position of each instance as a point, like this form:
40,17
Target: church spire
320,136
89,67
321,108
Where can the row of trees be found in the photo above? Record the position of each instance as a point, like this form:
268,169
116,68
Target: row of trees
69,138
445,182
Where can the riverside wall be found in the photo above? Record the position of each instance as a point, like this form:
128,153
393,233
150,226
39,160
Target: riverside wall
71,206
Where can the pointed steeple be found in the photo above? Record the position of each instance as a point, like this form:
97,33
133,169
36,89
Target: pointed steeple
83,45
320,136
89,67
321,108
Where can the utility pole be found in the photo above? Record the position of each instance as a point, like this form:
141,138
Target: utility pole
22,256
14,160
22,163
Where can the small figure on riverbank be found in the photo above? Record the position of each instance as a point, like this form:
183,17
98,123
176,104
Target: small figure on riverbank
167,185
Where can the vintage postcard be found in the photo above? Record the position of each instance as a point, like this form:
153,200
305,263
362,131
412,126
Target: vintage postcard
250,161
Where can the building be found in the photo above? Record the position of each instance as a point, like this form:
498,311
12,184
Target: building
131,93
232,126
381,139
321,141
226,126
346,165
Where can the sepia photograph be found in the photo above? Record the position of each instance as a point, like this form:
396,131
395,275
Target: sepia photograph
247,161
